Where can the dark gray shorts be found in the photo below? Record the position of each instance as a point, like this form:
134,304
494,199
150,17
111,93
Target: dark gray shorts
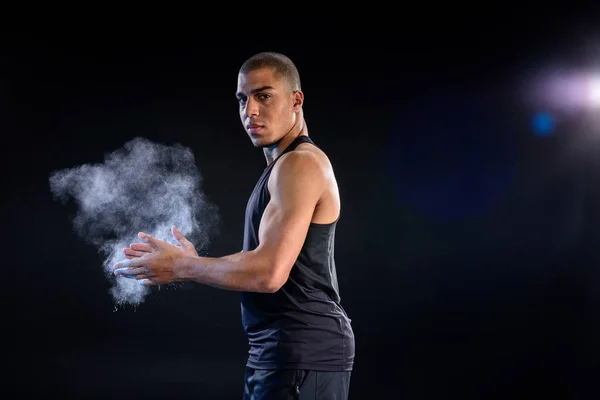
266,384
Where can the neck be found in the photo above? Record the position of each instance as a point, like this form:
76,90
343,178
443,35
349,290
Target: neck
275,150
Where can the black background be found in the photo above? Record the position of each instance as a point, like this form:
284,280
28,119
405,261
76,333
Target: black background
466,250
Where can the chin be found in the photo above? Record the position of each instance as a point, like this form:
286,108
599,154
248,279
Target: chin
262,142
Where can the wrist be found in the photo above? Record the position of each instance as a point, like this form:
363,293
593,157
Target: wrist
181,269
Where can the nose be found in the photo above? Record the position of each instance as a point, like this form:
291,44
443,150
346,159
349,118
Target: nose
251,108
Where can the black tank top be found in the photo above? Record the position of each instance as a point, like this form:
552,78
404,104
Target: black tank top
302,325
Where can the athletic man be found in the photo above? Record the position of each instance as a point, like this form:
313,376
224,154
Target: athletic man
301,340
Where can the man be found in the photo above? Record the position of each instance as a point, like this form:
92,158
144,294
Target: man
301,340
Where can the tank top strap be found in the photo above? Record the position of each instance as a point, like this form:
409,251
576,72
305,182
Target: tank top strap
297,141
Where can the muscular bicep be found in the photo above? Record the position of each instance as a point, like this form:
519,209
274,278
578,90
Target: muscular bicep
296,186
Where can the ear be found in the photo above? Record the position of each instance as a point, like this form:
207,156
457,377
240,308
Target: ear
298,100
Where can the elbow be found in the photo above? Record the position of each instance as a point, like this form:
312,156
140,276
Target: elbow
270,284
268,287
270,274
272,281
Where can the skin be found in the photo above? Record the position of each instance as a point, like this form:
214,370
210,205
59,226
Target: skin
303,190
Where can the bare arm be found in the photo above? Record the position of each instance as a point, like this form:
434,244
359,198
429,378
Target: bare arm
296,185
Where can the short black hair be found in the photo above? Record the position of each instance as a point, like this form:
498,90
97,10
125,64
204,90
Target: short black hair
282,65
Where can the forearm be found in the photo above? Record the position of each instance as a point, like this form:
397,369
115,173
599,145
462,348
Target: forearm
244,271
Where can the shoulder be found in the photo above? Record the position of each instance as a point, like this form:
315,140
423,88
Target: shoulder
306,159
305,165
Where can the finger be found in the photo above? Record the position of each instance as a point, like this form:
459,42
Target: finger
132,263
141,247
136,273
147,282
179,237
151,240
133,253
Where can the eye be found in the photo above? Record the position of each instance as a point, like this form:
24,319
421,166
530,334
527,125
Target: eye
242,100
264,96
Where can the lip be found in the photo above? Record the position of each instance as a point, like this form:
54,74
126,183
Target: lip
254,128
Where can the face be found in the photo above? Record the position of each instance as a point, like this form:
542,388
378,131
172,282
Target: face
268,108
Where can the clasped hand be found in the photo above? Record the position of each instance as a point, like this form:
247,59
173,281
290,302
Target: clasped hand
154,262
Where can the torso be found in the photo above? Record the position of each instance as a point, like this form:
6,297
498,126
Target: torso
302,325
